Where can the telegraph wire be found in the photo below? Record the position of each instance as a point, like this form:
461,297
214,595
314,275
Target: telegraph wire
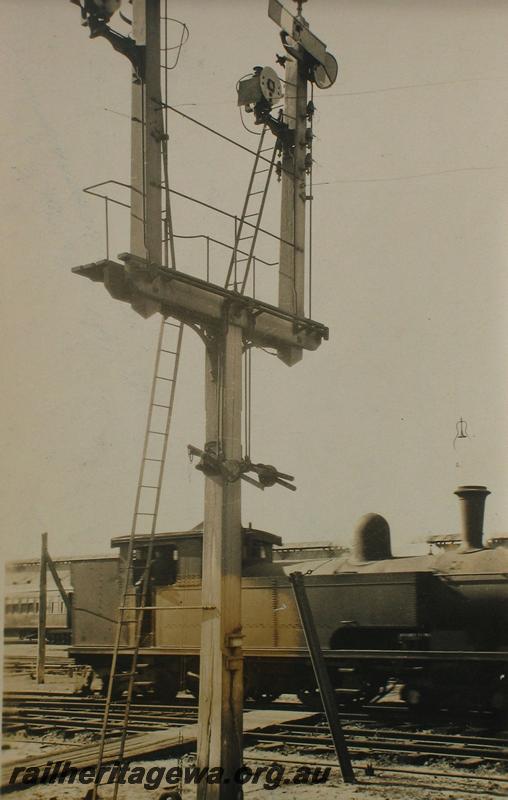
411,177
217,133
403,87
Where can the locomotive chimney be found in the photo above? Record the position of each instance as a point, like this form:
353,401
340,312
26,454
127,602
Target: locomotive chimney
473,506
372,539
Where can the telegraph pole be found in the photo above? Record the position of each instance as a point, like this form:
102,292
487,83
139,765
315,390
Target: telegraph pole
41,637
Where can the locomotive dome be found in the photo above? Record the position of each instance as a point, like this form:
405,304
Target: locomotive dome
464,553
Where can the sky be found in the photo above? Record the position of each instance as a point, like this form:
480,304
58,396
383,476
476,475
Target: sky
410,248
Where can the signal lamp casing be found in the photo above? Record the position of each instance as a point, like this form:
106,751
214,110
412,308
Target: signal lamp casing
263,85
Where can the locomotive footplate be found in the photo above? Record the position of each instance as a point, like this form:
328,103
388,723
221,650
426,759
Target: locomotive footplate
301,652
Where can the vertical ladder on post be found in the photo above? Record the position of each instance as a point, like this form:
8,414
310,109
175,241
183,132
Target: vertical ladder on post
247,225
144,521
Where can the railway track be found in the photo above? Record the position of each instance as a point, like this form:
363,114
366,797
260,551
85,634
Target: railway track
405,743
27,664
389,735
39,714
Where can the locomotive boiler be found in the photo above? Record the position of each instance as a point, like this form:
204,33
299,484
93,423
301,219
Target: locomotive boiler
436,624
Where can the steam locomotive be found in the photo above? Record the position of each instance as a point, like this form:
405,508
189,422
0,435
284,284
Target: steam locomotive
436,624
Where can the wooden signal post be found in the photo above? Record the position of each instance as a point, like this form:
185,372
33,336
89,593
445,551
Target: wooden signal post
41,631
227,322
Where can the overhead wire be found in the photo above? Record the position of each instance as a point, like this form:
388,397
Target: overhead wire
219,134
415,176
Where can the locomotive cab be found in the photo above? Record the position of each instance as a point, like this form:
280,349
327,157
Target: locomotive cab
177,556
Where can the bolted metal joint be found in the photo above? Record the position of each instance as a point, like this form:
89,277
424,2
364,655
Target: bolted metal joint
213,463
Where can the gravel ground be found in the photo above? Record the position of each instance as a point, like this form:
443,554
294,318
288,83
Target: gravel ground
416,785
421,784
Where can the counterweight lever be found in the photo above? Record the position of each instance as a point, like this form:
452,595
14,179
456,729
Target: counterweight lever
231,469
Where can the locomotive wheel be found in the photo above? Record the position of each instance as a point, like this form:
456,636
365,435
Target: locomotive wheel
310,698
192,684
419,698
259,696
118,687
499,696
166,687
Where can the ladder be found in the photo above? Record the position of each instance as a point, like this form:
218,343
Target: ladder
144,521
237,275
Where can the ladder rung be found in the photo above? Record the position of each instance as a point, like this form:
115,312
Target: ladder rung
242,238
172,324
159,433
160,405
162,378
260,171
251,194
148,486
145,513
173,352
265,149
153,459
255,214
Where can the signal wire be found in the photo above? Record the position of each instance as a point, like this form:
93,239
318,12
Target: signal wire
248,399
220,135
310,196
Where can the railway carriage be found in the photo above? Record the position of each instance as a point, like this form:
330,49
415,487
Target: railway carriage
21,596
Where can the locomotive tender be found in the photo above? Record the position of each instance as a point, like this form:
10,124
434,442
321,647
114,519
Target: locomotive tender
436,624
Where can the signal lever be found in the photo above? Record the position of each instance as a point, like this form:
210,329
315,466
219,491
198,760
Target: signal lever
232,469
